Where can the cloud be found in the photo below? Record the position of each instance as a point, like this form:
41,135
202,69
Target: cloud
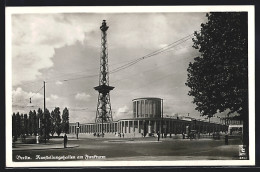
53,96
22,98
82,96
123,109
34,39
19,93
53,100
123,112
58,83
163,45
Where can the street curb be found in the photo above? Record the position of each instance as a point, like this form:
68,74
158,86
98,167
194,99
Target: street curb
44,148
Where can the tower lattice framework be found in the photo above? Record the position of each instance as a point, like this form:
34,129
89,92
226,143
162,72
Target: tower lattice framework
104,112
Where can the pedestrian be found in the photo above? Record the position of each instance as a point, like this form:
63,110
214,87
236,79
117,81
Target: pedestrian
123,135
158,134
65,140
226,139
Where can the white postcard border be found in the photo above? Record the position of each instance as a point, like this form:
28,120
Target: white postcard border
132,9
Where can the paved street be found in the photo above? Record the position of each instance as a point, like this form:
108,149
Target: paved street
129,149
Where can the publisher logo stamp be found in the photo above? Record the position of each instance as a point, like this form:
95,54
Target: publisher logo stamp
242,152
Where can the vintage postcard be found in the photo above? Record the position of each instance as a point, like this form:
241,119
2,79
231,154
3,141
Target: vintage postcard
130,86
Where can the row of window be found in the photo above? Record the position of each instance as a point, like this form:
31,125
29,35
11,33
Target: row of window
146,108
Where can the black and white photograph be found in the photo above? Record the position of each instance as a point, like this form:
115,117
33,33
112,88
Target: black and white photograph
130,86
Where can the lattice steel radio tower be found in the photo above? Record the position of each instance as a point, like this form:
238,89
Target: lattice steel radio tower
104,113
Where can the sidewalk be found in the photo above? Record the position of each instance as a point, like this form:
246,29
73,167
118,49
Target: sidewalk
41,146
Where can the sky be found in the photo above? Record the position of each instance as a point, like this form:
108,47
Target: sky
63,49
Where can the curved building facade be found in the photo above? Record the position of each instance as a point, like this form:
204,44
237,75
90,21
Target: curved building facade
147,107
147,119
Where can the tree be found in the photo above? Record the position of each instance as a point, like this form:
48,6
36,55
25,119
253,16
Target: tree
26,127
47,123
218,78
35,124
18,124
14,128
65,120
57,120
52,126
30,123
22,125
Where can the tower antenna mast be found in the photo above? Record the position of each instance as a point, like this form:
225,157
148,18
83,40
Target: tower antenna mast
104,112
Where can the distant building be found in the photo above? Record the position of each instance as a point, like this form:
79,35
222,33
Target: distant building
235,129
147,120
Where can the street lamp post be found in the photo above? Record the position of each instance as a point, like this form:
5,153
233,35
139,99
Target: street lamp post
44,112
38,132
77,130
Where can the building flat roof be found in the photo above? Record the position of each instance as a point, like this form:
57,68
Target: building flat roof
147,98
